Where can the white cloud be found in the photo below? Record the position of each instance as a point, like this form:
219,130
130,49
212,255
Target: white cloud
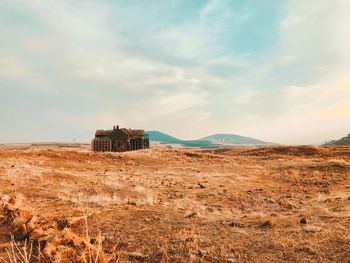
183,76
11,67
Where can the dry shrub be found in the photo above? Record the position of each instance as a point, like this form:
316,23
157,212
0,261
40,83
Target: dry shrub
19,253
52,244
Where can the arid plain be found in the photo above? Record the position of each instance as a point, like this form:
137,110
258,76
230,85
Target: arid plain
164,204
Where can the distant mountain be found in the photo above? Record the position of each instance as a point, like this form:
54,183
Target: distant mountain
167,139
342,141
213,141
234,139
162,137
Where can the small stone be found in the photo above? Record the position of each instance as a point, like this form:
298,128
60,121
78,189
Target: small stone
39,234
191,215
132,203
210,209
312,229
266,224
201,186
130,162
235,224
303,221
200,252
137,255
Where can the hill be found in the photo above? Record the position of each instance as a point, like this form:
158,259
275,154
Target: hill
162,137
342,141
234,139
213,141
167,139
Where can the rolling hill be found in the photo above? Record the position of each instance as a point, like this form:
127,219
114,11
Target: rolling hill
213,141
342,141
234,139
167,139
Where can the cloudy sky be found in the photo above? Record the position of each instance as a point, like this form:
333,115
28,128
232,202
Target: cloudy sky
276,70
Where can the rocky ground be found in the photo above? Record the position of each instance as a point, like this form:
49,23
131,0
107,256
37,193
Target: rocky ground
178,205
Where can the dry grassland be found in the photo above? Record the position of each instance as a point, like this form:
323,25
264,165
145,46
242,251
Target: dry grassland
175,205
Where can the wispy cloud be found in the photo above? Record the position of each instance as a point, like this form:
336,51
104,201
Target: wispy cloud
267,70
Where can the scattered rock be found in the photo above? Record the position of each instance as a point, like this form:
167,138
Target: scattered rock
312,228
62,223
12,200
286,204
42,235
210,209
269,200
200,252
133,203
201,185
305,249
267,224
191,215
235,224
137,255
130,162
303,221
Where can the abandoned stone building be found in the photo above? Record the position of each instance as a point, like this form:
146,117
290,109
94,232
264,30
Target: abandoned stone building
119,140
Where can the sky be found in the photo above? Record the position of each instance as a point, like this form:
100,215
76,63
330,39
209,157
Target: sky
276,70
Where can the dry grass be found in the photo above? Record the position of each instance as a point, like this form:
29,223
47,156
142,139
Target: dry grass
21,253
182,205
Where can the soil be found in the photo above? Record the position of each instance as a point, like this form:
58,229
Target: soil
273,204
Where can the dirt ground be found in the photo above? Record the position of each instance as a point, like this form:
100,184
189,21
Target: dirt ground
278,204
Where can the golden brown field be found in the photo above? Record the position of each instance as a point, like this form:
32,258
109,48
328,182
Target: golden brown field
175,205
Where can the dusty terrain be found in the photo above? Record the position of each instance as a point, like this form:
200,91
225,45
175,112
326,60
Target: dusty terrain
179,205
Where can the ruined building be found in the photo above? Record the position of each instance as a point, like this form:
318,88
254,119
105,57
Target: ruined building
119,140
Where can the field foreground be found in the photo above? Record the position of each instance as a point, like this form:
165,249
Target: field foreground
178,205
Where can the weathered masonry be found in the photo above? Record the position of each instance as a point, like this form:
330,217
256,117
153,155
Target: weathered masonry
119,140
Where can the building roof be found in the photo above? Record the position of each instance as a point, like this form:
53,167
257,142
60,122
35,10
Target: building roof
134,132
130,132
103,132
